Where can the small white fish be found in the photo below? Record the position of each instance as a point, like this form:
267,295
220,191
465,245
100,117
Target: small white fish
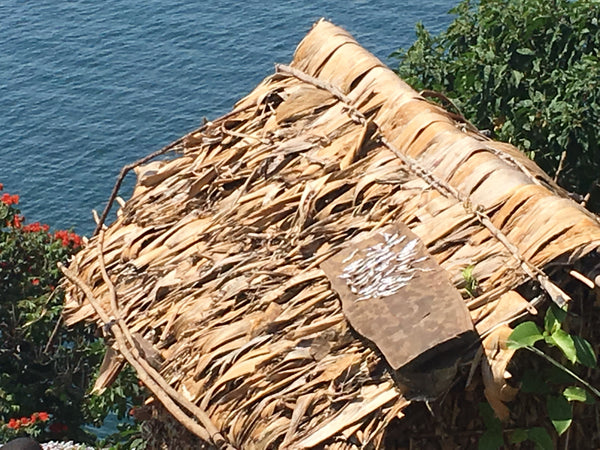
396,240
368,291
353,266
349,257
386,236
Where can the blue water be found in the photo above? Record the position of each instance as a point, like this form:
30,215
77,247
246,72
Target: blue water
89,86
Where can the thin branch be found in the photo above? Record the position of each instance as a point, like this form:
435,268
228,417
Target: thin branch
200,414
56,326
245,136
561,165
580,277
587,196
457,116
296,73
143,374
554,362
126,169
53,335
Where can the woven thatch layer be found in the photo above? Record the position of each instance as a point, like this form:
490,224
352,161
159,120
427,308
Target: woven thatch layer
215,258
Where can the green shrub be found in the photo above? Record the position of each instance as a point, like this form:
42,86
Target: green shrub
526,70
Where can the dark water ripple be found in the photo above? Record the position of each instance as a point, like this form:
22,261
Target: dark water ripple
87,87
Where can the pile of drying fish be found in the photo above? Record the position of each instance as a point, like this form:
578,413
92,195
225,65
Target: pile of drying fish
381,272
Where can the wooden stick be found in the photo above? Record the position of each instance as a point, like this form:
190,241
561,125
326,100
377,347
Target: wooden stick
585,280
200,414
587,196
333,90
561,165
112,292
125,170
245,136
207,434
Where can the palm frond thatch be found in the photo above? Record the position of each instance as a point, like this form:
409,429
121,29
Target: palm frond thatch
215,259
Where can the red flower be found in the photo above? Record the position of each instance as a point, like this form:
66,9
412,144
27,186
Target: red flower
25,421
1,186
76,240
62,235
45,228
17,221
32,227
14,424
35,281
43,416
68,238
6,199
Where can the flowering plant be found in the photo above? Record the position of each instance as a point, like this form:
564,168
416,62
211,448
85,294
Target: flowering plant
45,366
33,425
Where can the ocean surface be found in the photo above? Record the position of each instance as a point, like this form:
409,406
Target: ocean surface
89,86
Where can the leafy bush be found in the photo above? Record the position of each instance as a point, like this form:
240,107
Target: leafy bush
526,70
550,385
46,369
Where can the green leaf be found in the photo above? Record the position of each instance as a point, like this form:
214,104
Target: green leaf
563,340
560,412
491,440
554,318
525,51
577,394
470,280
519,435
518,76
490,420
138,444
467,272
585,352
524,335
542,439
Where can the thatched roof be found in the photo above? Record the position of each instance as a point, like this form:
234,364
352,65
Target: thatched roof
214,264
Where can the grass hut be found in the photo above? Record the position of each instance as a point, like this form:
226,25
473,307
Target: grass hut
211,282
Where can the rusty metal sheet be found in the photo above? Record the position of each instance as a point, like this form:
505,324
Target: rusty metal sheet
397,296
